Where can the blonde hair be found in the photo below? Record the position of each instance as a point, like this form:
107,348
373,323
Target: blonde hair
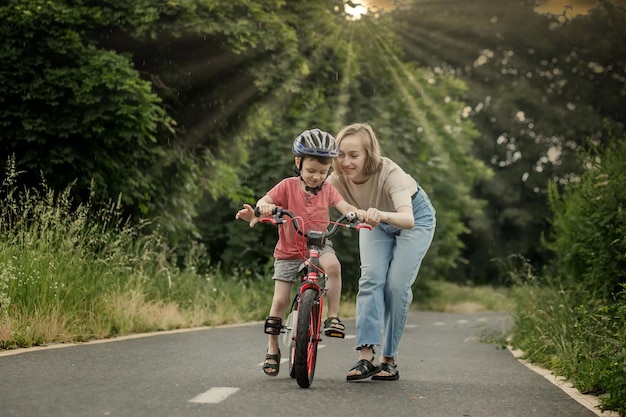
370,143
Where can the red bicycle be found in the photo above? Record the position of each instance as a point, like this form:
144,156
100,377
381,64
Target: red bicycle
302,331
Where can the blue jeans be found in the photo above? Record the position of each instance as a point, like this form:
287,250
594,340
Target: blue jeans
390,261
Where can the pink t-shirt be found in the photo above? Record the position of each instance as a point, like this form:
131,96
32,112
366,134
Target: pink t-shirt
314,211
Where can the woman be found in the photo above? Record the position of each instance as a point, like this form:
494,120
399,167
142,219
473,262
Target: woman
403,221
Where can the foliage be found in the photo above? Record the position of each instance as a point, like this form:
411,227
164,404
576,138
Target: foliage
216,78
538,85
88,109
419,118
82,110
359,68
77,273
572,319
568,329
589,224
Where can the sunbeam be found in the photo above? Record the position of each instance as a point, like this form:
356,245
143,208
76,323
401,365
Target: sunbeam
401,76
347,72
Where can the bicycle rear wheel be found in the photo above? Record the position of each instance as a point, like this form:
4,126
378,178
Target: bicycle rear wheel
307,338
289,339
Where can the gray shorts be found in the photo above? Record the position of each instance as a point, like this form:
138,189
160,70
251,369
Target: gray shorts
287,269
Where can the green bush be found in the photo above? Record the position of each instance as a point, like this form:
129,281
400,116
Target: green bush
589,225
571,319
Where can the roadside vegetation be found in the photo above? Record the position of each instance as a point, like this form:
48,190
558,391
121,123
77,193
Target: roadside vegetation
571,318
78,273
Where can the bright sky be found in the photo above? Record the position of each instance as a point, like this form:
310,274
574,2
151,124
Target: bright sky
363,5
387,4
575,7
558,6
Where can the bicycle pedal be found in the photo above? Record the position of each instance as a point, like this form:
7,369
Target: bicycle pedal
331,333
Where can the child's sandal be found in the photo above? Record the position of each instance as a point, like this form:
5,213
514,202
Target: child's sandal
272,369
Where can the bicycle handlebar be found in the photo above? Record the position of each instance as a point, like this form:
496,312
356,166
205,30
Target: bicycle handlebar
279,212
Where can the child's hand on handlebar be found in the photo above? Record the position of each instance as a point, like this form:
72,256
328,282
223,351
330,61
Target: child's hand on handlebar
266,210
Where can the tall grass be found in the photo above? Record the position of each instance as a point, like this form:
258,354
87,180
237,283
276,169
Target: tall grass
575,333
573,319
74,273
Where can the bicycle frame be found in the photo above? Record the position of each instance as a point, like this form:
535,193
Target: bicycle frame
304,325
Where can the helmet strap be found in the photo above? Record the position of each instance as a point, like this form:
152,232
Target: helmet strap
314,190
298,170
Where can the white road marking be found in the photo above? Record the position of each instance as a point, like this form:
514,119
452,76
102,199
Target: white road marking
439,323
411,326
462,321
350,336
214,395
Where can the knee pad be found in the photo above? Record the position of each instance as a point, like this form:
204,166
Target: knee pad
273,325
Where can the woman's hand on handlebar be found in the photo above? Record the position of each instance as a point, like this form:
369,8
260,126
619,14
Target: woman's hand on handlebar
363,218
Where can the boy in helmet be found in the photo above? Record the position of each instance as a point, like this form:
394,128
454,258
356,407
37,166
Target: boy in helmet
309,197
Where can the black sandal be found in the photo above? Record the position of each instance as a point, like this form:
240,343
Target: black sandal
366,369
391,369
273,366
333,327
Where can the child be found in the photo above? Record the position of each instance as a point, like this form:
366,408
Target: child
309,197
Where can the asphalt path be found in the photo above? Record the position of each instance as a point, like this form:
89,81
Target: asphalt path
445,371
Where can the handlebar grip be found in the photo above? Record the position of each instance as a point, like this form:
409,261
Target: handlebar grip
275,220
355,224
257,211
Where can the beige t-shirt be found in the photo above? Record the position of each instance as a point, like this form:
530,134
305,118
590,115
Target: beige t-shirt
387,189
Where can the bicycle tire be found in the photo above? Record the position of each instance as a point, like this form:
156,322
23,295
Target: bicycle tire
307,338
292,355
289,338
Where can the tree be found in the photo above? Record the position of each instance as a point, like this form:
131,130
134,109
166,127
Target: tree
72,111
538,86
189,109
357,74
140,99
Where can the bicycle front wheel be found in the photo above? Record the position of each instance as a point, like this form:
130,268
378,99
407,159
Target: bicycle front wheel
307,338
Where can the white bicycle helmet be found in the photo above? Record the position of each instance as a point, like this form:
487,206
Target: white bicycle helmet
315,142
